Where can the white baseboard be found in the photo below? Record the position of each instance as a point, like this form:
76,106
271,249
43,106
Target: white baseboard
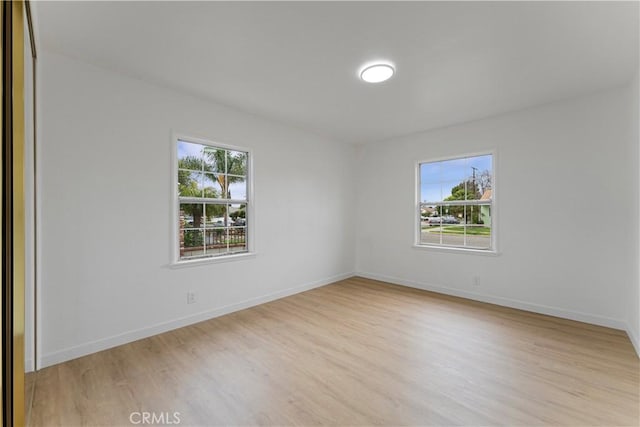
633,337
28,366
134,335
506,302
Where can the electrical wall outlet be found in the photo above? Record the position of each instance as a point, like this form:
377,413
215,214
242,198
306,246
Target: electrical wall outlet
476,280
191,297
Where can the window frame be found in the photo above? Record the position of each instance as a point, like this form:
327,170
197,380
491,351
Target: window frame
176,262
417,220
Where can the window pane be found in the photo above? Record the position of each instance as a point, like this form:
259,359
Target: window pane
431,226
454,170
237,239
474,191
453,235
236,163
426,211
211,186
430,235
453,190
481,167
237,188
189,156
214,159
238,215
452,215
191,243
430,173
216,239
431,192
452,232
238,231
478,227
189,184
191,215
215,215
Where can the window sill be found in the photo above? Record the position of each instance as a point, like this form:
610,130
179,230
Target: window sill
449,249
212,260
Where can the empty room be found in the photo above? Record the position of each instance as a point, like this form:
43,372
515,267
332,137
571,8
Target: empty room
320,213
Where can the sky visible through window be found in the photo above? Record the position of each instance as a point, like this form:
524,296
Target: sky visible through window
238,190
438,178
188,149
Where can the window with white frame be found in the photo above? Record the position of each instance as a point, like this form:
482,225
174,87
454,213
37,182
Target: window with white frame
456,203
212,200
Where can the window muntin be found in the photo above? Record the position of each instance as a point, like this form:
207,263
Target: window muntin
456,201
212,200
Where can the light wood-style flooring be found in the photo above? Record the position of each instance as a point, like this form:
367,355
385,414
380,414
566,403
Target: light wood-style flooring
357,352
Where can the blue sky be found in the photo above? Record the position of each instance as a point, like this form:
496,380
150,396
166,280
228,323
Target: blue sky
188,149
438,178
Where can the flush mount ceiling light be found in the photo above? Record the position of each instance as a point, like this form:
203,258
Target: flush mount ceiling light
377,73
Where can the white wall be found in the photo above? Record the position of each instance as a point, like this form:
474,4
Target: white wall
567,190
105,210
633,299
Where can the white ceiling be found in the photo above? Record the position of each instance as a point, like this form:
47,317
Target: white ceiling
298,62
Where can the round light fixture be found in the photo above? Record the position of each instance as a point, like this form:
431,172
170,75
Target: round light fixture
377,73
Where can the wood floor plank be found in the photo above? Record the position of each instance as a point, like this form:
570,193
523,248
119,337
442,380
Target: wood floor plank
357,352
